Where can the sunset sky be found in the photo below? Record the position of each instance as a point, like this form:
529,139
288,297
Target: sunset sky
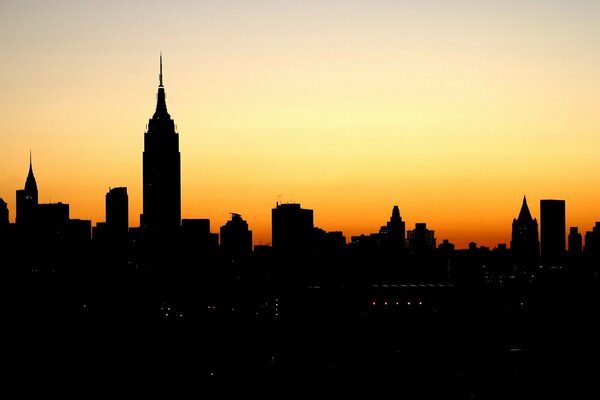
452,110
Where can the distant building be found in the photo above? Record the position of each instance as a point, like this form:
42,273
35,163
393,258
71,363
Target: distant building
27,200
236,238
446,246
421,239
52,217
553,231
161,170
78,230
196,235
117,212
292,229
3,214
592,241
575,241
393,232
525,245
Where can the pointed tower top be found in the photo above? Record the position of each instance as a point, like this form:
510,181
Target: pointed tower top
524,214
30,184
161,105
160,75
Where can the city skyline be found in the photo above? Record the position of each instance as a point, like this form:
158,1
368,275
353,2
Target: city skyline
348,117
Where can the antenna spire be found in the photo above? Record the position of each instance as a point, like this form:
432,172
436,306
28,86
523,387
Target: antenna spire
160,75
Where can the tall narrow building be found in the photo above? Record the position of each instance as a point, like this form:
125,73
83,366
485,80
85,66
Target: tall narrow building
117,212
525,244
553,230
161,170
27,199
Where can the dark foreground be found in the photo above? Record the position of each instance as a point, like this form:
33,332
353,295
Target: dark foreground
414,341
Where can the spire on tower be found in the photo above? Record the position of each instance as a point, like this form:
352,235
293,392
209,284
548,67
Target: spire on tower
160,75
524,214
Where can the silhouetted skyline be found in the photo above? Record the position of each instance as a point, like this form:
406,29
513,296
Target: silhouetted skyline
428,105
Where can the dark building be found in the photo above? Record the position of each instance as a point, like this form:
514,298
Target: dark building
236,238
196,236
592,241
292,230
525,245
27,199
117,211
552,215
3,214
575,241
51,218
161,170
421,239
78,230
393,232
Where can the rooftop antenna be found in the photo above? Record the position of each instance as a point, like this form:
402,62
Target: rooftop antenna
160,75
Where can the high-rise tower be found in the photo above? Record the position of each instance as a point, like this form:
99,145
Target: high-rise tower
552,213
162,170
27,199
525,244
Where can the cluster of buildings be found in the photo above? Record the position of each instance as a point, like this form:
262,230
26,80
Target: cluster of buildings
293,230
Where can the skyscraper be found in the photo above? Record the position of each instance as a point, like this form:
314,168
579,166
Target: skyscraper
292,230
553,235
393,232
161,170
117,211
27,199
575,241
3,214
525,245
236,238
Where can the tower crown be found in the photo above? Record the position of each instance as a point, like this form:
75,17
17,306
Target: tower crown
30,183
161,104
524,214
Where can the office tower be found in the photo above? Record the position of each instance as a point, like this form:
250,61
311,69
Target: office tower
236,238
161,170
421,239
552,215
393,232
592,241
117,212
292,230
27,199
575,241
525,245
3,214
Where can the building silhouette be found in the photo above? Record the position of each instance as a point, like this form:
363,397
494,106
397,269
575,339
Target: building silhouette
3,214
392,233
117,212
553,235
292,230
592,241
236,238
161,170
27,199
52,218
575,241
525,245
421,239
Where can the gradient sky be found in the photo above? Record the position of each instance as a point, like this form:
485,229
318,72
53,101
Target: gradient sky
453,110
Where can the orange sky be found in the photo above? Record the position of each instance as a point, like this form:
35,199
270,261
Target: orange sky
451,110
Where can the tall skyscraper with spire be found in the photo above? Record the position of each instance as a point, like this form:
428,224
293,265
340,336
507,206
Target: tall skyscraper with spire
161,169
525,244
27,199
